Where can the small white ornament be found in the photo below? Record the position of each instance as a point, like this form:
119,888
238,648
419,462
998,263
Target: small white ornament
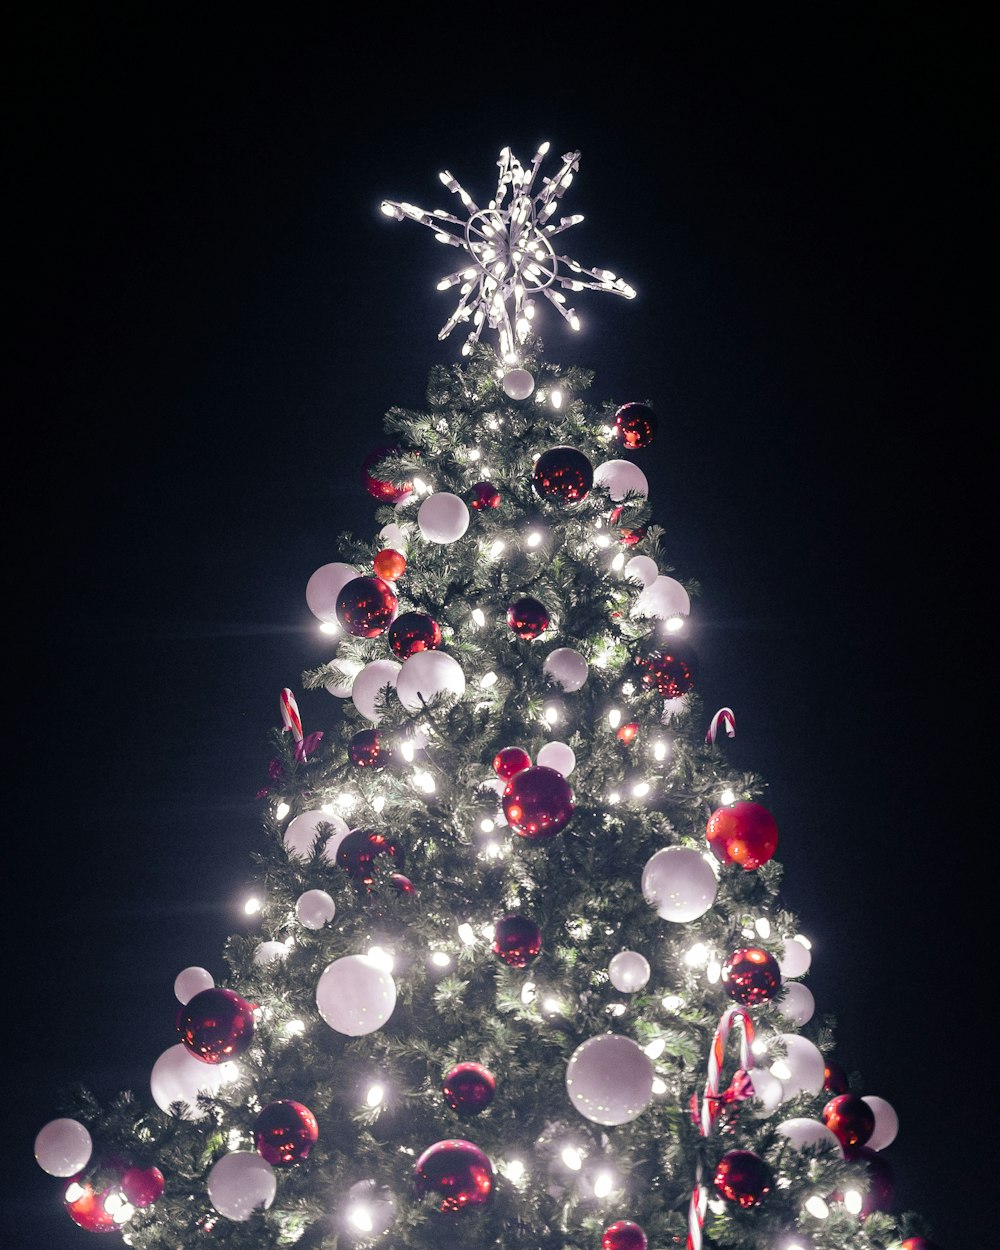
518,383
641,569
629,971
803,1070
796,1002
680,883
886,1123
314,909
796,959
323,588
394,536
566,667
240,1183
621,478
557,755
192,981
426,674
63,1147
443,518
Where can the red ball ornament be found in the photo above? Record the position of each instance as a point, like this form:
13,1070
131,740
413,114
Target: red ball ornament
365,750
401,884
628,733
834,1078
366,606
142,1186
285,1132
389,564
87,1208
743,1177
527,618
623,1235
215,1025
918,1243
361,849
411,632
635,425
457,1173
517,941
469,1088
563,475
484,495
751,976
881,1183
538,802
509,761
669,671
384,492
743,833
850,1119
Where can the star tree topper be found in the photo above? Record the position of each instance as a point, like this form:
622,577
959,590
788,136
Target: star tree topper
510,257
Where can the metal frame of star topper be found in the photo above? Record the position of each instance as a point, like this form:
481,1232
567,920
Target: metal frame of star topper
511,257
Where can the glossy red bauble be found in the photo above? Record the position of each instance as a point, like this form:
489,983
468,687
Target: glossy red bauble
457,1173
411,632
87,1209
484,495
538,802
517,940
468,1088
215,1025
365,750
670,671
751,976
527,618
743,1177
623,1235
389,564
360,851
366,606
850,1119
509,761
743,833
142,1186
635,425
384,492
834,1078
880,1192
563,475
285,1132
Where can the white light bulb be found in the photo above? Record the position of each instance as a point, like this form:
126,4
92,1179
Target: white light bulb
763,926
488,679
697,955
572,1157
497,547
656,1048
295,1028
479,616
853,1201
360,1217
380,956
640,789
440,960
252,906
533,539
659,1086
378,802
604,1182
281,811
467,934
727,797
817,1207
614,718
516,1171
671,1002
618,563
375,1095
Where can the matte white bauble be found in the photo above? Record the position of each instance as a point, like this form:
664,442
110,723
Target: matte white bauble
355,995
370,682
767,1089
804,1064
394,536
557,755
566,667
629,971
323,588
795,960
886,1123
314,909
443,517
192,981
803,1133
426,674
621,477
177,1076
63,1147
641,569
240,1183
340,687
663,597
609,1079
303,830
518,383
268,952
796,1002
680,883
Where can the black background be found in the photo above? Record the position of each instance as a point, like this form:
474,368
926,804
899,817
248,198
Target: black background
211,318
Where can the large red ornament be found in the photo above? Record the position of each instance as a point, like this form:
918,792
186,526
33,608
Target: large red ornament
538,802
142,1186
366,606
527,618
509,761
751,976
365,750
743,833
285,1132
563,475
743,1177
881,1191
669,671
215,1025
484,495
850,1119
623,1235
384,492
456,1172
358,852
517,941
87,1209
635,425
411,632
389,564
469,1088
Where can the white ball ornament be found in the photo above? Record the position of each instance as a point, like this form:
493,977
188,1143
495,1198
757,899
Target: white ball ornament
394,536
240,1183
443,517
803,1133
518,383
177,1076
314,909
629,971
641,569
621,477
557,755
609,1079
795,960
886,1123
680,883
355,995
303,830
663,598
63,1147
268,952
796,1002
803,1070
323,588
340,687
426,674
192,981
370,682
767,1089
566,667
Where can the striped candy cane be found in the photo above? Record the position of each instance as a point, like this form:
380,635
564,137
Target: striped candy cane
723,716
290,714
711,1103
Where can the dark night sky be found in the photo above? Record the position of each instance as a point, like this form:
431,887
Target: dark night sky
211,319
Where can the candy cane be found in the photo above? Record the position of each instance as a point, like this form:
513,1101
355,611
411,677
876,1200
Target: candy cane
711,1103
290,714
726,717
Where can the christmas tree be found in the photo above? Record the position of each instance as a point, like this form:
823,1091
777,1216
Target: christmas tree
527,977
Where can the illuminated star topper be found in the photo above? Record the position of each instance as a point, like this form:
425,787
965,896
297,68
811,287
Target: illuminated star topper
509,254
